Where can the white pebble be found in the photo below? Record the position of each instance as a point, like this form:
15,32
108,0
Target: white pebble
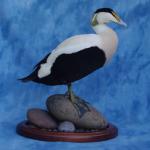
66,126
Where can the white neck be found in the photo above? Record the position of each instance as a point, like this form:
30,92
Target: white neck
100,28
109,39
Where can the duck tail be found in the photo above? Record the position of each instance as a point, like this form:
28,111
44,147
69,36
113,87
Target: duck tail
27,78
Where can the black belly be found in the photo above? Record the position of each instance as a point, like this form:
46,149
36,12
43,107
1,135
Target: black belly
72,67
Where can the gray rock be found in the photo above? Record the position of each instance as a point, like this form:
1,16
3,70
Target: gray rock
66,126
62,109
41,118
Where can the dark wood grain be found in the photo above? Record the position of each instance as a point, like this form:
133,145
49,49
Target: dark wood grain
27,130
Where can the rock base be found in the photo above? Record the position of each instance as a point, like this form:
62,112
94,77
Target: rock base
62,109
61,122
62,115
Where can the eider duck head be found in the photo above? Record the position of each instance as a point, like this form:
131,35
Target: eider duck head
106,15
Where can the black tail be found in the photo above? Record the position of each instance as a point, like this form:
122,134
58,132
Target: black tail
26,79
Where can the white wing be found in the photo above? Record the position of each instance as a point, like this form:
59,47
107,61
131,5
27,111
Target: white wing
77,43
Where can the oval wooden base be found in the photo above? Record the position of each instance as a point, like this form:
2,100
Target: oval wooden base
27,130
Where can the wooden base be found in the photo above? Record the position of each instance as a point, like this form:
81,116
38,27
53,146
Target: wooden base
30,131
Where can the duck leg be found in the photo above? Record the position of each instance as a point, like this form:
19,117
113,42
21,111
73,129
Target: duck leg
80,105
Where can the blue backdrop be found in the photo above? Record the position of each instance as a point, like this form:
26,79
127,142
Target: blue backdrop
29,29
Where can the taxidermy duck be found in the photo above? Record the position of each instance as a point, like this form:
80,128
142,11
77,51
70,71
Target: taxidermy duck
78,56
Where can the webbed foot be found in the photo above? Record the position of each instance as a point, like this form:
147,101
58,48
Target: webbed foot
80,105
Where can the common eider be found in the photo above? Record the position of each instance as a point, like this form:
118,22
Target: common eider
78,56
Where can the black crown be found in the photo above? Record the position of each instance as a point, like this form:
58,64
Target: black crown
109,10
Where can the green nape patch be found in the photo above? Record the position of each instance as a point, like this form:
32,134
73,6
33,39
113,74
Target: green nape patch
94,20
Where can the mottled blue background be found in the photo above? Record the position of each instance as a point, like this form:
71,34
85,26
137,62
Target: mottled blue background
29,29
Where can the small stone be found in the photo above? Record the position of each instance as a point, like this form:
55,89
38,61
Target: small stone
66,126
62,109
41,118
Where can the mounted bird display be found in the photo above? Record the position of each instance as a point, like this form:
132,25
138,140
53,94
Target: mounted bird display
78,56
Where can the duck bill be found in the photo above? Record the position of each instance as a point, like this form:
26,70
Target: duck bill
121,22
